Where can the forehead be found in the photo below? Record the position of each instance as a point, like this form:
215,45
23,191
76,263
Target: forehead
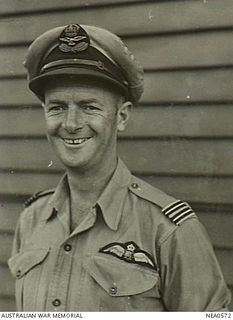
67,89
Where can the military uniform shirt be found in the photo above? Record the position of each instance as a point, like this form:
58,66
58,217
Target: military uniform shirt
126,255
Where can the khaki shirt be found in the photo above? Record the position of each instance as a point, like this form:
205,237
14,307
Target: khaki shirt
59,271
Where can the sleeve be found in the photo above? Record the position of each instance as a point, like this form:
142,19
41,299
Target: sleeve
16,241
23,227
191,278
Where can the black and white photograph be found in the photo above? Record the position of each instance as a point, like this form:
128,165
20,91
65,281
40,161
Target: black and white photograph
116,156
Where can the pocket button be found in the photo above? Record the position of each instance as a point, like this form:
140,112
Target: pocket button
135,185
67,247
113,289
18,273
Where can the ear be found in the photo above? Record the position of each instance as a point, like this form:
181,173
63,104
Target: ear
123,115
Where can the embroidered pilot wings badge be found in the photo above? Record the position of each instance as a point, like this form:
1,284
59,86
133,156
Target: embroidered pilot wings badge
129,252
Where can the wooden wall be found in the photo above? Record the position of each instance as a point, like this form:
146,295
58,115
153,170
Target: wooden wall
180,138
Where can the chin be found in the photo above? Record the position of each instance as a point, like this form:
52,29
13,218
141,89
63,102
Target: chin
81,164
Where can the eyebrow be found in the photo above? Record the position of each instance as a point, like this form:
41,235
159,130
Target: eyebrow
55,101
80,102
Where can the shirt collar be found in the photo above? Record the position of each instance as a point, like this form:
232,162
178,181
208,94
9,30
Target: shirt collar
110,202
57,200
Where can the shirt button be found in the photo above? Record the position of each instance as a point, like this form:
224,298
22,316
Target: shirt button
56,302
134,185
67,247
113,289
18,273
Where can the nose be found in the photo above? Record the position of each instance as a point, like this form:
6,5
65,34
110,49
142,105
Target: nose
73,120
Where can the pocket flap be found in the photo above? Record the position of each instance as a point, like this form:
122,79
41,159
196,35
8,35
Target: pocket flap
120,278
24,261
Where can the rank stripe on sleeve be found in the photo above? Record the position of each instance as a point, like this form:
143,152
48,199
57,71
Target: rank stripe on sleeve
182,219
174,209
178,211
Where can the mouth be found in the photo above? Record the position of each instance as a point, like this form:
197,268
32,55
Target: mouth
78,141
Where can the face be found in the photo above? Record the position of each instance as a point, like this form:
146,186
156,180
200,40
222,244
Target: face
82,124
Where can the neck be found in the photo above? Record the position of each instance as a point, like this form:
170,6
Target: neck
87,185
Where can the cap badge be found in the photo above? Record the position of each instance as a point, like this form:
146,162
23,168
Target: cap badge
74,39
129,252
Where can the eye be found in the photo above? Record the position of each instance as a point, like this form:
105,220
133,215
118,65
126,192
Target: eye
55,109
91,108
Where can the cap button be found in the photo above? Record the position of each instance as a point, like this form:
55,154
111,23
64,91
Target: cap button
100,65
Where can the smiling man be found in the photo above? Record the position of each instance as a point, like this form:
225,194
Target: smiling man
103,240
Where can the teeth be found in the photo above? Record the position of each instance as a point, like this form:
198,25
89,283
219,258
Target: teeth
75,141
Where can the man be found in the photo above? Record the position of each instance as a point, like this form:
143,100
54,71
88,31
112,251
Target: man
103,240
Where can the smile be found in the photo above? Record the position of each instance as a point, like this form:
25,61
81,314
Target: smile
75,141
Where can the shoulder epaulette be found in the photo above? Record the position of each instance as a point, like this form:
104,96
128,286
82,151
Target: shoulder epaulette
37,196
148,192
178,211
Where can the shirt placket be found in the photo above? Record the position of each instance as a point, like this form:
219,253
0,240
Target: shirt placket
59,284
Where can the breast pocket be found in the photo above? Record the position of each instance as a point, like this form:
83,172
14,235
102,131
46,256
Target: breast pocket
123,286
26,268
